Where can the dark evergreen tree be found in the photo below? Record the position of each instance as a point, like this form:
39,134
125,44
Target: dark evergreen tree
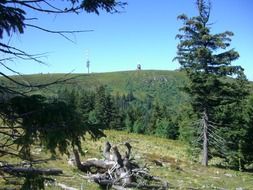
53,124
123,103
26,120
188,132
130,96
236,120
167,129
208,67
157,114
134,118
247,149
99,115
138,126
105,112
110,111
117,115
87,103
129,122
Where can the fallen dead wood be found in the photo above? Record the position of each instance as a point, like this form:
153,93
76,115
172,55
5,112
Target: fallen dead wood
100,166
24,171
139,186
119,172
65,187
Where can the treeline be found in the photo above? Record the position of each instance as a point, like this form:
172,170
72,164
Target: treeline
123,112
231,134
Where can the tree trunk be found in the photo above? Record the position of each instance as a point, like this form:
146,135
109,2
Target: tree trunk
240,157
78,162
205,138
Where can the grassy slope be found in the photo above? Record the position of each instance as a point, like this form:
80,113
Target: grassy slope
178,170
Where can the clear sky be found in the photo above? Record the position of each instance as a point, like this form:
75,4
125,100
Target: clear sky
144,33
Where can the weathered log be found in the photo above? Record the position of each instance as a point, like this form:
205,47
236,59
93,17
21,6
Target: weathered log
142,186
78,162
106,152
118,172
100,165
65,187
137,178
157,162
128,152
117,156
39,171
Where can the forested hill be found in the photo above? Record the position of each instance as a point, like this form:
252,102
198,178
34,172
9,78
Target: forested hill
162,86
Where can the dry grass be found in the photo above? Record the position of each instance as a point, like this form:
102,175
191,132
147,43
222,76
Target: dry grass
176,168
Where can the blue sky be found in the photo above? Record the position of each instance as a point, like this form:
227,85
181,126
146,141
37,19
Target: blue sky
144,33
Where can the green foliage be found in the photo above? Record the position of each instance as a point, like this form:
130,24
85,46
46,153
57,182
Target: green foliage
166,129
205,68
187,129
11,19
208,65
107,5
189,132
27,119
105,112
141,109
52,123
237,133
100,106
138,127
87,103
127,112
34,182
13,15
129,123
156,115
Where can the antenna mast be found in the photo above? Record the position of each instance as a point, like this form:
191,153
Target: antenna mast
87,61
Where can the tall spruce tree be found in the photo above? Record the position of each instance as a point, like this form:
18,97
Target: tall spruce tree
213,80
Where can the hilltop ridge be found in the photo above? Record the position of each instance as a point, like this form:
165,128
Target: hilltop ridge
164,86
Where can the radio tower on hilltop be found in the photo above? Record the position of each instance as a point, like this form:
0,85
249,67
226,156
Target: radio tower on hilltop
87,61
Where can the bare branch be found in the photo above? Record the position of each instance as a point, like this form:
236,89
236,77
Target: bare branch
8,68
38,8
19,53
4,152
61,33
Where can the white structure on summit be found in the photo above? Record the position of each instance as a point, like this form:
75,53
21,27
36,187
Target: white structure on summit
139,67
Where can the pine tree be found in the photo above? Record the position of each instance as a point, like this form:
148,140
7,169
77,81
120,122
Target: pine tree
248,139
213,80
156,115
237,131
117,115
87,103
99,113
